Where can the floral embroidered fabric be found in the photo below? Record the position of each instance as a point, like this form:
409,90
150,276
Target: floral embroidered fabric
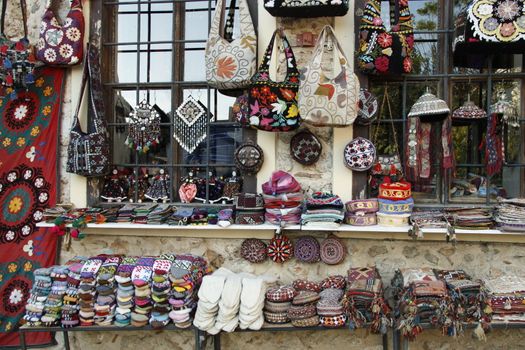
273,105
382,51
306,8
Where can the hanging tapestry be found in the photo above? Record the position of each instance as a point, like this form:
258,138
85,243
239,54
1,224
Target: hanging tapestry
190,124
28,185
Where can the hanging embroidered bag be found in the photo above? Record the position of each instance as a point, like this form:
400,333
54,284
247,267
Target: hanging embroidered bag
486,27
273,105
88,153
382,51
17,61
306,8
230,65
327,99
61,45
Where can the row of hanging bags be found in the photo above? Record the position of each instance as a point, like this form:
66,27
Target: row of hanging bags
17,61
328,97
231,63
382,51
61,44
88,152
306,8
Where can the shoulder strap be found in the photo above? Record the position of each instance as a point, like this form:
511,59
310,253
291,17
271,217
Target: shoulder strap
228,25
402,15
24,15
291,65
95,89
245,19
372,11
328,32
218,17
75,122
386,101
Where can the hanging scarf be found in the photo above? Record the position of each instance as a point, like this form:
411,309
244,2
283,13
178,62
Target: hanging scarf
494,155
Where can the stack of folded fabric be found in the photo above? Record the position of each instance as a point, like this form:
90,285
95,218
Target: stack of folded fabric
323,210
507,298
395,203
470,218
53,306
468,296
364,301
106,288
125,214
428,219
159,214
225,217
249,209
141,278
510,214
39,293
213,216
209,297
111,214
51,214
252,302
69,316
330,308
303,312
199,216
277,303
361,212
422,299
125,291
87,289
160,289
141,212
181,217
282,199
186,275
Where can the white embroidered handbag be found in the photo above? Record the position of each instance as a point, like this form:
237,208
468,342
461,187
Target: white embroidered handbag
326,99
230,65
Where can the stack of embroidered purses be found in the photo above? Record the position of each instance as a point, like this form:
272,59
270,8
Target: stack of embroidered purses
160,289
303,312
249,209
278,301
87,289
160,214
39,293
125,291
468,297
507,298
111,214
69,316
53,306
422,299
125,214
364,301
282,199
323,210
141,278
510,214
330,308
141,212
106,288
470,218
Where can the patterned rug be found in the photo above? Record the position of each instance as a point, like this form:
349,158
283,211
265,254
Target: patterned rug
28,177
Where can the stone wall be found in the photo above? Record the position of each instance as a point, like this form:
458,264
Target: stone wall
481,260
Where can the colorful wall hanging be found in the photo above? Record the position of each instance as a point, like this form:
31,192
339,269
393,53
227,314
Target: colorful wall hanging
144,128
28,185
190,124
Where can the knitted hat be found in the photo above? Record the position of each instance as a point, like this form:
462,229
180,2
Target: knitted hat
298,312
306,249
307,285
280,249
253,250
307,322
336,281
281,294
305,297
276,317
333,251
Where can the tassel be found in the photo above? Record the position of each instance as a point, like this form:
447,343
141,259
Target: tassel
479,332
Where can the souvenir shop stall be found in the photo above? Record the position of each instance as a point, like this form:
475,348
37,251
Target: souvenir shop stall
351,165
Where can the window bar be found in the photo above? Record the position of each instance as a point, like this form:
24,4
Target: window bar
489,104
446,175
174,91
137,99
208,129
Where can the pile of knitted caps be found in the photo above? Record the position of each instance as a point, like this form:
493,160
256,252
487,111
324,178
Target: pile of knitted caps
282,199
228,300
323,210
119,290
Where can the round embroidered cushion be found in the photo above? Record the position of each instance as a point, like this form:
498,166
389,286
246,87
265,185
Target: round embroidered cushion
359,154
249,158
307,322
333,251
302,311
253,250
307,285
307,249
281,294
305,297
305,148
336,281
280,249
333,321
276,317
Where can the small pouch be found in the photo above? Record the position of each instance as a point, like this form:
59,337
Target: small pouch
249,217
251,201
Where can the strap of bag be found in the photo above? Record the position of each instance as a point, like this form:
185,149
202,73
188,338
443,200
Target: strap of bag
386,101
291,65
73,4
230,18
246,23
85,73
24,15
328,31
